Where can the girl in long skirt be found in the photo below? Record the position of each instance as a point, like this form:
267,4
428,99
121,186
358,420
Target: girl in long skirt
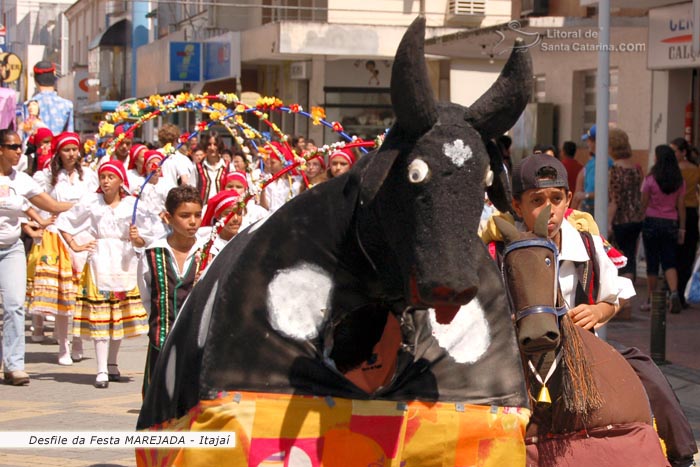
108,306
58,268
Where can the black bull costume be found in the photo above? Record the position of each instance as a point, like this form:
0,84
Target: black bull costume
261,345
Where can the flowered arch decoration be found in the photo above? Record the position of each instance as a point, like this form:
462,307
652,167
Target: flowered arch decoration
227,110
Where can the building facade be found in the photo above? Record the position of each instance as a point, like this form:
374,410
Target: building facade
562,37
331,53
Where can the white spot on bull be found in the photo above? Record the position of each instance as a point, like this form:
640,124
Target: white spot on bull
298,458
297,300
170,372
467,337
457,152
206,316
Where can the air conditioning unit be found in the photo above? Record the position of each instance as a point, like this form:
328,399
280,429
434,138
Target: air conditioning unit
534,8
300,70
466,12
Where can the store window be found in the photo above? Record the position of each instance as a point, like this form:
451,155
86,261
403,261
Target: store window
294,10
365,112
589,98
538,91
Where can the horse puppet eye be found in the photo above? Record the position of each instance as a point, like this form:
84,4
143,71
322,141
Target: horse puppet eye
548,262
418,171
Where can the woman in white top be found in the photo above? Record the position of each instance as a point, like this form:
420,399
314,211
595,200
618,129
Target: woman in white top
15,189
58,268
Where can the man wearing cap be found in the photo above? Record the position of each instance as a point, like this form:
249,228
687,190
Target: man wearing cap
56,112
584,195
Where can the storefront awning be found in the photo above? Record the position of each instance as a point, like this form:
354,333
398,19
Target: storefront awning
99,107
117,34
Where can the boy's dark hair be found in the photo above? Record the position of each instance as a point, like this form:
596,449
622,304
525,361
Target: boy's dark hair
179,195
569,148
505,141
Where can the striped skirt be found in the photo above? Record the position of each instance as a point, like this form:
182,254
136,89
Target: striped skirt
52,287
107,315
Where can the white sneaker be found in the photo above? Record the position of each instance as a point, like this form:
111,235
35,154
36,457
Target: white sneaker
65,360
38,339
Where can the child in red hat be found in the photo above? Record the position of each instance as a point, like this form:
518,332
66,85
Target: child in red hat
109,306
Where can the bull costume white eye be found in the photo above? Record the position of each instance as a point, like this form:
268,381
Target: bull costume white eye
418,171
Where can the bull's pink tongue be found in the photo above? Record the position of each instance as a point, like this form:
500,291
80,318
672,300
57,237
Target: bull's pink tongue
444,314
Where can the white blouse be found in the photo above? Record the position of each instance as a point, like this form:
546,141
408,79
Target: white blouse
282,190
114,261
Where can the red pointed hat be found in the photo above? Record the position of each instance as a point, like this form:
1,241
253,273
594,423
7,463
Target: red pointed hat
133,152
39,135
116,167
63,139
218,204
240,176
345,154
151,157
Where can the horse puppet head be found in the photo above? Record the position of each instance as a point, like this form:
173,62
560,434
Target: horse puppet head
545,333
530,272
422,193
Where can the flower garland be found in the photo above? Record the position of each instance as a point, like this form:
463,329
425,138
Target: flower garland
225,109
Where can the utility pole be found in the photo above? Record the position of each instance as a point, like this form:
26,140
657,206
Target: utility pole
601,122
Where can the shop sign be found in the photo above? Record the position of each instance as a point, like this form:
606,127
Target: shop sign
185,61
217,60
10,67
671,37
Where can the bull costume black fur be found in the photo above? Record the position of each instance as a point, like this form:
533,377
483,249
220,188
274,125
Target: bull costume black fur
283,306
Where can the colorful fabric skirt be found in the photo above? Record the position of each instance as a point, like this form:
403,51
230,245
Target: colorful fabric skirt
107,315
285,430
53,285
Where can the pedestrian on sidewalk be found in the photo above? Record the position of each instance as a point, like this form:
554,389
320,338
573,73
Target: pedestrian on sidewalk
625,214
16,188
686,250
663,229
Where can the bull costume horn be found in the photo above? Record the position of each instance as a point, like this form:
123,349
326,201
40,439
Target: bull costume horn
497,110
411,94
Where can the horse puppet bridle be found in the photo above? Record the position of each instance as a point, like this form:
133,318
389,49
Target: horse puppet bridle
559,311
519,314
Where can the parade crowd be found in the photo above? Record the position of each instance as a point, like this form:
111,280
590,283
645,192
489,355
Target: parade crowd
109,249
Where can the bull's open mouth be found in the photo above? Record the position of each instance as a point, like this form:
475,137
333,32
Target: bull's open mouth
445,301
